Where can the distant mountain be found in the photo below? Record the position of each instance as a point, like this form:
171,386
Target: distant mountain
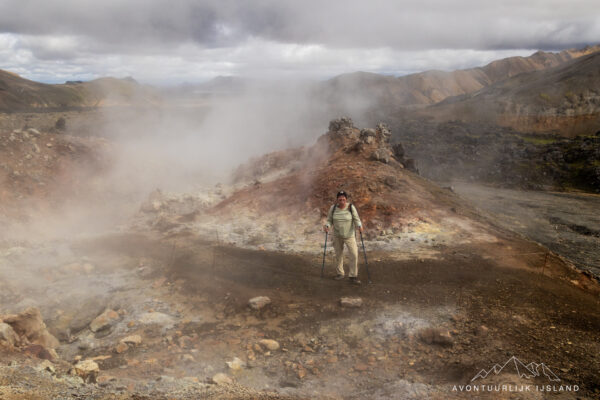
430,87
564,99
19,94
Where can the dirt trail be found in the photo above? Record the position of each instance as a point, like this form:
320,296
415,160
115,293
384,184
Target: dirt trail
424,326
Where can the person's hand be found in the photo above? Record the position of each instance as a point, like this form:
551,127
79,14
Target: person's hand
326,228
360,229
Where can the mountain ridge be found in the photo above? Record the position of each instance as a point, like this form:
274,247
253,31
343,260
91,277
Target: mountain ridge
433,86
18,94
562,99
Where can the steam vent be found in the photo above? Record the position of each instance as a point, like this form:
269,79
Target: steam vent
279,202
382,184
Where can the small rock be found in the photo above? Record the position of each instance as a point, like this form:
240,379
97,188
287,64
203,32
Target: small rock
133,339
164,320
269,344
435,336
482,330
122,348
88,370
188,358
222,379
259,302
352,302
104,320
301,372
86,343
236,364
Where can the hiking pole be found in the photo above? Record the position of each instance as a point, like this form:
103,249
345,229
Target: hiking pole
324,251
365,253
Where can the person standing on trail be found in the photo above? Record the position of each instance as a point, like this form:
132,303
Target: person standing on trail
344,219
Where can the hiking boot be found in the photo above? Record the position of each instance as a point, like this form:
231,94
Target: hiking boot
354,280
339,277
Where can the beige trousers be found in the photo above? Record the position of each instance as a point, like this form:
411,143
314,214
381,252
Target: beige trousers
338,246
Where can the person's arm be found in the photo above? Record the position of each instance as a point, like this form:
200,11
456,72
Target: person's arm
329,220
356,218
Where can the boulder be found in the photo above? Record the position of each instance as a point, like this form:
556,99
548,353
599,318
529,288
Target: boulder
256,303
436,336
269,344
222,379
368,135
30,325
121,348
33,131
383,130
381,155
343,123
398,151
236,364
104,320
88,370
133,339
39,351
8,335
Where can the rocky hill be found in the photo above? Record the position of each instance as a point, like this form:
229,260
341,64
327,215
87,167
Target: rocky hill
40,170
431,87
279,201
18,94
564,99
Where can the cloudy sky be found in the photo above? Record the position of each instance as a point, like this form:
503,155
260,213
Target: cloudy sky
174,41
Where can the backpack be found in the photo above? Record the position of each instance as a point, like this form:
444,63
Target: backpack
349,208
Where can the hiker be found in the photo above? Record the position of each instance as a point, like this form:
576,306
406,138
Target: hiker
344,219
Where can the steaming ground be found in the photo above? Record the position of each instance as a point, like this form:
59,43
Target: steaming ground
450,297
424,325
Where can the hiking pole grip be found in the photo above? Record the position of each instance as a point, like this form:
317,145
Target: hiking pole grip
365,253
324,251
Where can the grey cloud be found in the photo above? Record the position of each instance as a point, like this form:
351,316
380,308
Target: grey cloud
173,41
404,25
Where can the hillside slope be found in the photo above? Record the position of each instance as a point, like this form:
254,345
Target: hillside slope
564,99
18,94
430,87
